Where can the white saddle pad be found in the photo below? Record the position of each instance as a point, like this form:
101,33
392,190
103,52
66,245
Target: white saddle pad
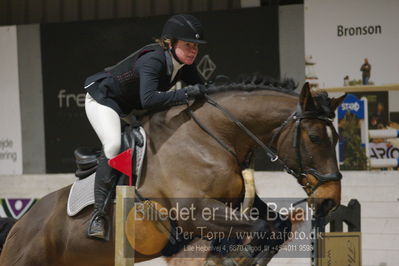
81,194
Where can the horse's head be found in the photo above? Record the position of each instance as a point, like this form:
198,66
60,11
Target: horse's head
307,143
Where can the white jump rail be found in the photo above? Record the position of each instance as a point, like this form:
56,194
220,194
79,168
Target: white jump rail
383,133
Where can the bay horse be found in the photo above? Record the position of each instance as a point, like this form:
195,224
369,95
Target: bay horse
183,161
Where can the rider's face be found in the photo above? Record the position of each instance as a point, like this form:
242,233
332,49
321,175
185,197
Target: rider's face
186,52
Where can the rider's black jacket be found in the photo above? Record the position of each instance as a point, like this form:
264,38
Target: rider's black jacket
141,81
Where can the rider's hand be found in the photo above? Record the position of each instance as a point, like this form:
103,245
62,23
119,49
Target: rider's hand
195,91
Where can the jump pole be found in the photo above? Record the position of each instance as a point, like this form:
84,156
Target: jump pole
124,253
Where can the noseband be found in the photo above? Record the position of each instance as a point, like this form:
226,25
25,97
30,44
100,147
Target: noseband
297,117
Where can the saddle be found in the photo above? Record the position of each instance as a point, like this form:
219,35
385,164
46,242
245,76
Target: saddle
82,190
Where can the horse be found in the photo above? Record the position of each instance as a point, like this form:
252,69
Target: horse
183,161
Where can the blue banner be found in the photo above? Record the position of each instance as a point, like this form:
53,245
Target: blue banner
352,104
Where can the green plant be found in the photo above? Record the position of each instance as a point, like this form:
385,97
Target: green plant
355,155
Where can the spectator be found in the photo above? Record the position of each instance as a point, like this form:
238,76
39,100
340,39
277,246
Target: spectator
366,69
346,81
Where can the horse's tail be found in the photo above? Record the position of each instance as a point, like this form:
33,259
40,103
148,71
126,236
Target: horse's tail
5,227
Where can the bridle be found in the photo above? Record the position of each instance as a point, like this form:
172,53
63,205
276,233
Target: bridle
301,174
297,117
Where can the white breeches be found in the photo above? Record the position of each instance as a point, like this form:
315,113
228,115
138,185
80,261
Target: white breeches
106,124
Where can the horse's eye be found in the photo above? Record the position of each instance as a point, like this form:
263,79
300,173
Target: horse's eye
315,139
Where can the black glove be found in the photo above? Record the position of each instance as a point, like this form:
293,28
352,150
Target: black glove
195,91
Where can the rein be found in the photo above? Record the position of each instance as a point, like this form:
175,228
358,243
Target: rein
297,116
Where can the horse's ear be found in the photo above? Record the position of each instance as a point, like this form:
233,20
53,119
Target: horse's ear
335,102
306,99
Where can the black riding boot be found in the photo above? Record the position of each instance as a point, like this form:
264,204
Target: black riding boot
104,183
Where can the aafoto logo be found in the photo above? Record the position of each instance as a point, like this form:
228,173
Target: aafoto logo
66,100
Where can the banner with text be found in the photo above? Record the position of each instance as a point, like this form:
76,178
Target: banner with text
351,42
10,115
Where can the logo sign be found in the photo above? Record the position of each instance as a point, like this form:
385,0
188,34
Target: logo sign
15,208
206,67
353,105
383,150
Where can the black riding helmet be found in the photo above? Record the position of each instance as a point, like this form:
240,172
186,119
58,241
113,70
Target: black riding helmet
184,27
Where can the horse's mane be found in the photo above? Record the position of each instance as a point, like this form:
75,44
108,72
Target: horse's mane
254,82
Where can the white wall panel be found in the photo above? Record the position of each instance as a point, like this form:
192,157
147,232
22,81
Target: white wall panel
31,98
339,34
10,117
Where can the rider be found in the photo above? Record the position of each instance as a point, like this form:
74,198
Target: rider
142,81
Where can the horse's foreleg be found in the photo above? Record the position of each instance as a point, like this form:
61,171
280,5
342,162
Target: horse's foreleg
279,225
277,221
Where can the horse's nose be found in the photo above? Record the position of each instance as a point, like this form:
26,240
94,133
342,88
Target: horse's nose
324,206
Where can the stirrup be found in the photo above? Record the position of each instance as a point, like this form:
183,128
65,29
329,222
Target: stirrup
101,233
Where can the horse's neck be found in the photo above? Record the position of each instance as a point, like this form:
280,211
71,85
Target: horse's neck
261,113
